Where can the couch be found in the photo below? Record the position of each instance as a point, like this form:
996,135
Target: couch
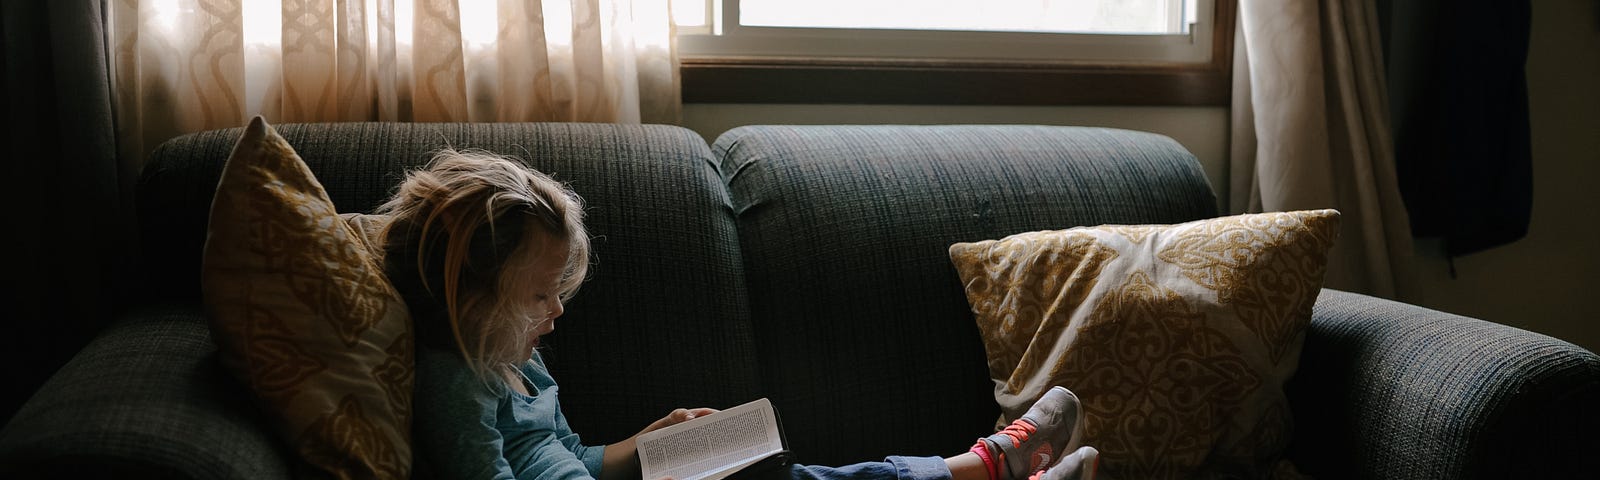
806,264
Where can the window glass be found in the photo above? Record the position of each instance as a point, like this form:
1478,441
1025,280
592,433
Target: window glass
1044,16
1095,31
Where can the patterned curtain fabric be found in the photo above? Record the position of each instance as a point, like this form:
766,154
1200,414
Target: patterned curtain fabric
180,66
1311,130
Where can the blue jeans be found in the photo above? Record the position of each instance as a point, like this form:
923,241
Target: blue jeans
899,468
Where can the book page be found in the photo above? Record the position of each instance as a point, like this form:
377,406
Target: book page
712,446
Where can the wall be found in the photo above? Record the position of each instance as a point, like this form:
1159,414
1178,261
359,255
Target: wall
1548,282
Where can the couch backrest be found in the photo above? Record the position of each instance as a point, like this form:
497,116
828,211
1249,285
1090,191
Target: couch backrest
866,342
806,264
666,284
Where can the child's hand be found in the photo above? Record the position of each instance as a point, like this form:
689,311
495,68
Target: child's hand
678,416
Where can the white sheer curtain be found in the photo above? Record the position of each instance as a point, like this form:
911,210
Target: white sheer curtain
180,66
1311,130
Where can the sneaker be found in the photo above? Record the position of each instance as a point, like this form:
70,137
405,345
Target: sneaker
1035,441
1081,465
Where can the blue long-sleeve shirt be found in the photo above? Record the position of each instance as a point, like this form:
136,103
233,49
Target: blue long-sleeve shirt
465,429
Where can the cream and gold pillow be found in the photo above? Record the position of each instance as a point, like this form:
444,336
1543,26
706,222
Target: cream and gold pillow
1177,338
303,316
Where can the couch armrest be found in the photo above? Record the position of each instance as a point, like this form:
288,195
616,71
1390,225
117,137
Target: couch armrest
1391,390
146,398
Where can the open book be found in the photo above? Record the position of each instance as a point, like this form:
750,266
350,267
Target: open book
714,446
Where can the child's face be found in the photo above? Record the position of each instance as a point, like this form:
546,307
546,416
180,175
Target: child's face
541,292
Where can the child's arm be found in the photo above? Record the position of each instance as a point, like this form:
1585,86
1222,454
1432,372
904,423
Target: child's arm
621,460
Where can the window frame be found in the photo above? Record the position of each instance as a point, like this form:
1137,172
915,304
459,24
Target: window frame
854,80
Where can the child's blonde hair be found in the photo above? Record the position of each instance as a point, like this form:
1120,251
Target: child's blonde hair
454,228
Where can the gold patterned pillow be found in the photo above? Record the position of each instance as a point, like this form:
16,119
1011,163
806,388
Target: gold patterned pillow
1177,338
303,316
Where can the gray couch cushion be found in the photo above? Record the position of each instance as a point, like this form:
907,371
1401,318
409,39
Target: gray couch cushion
145,399
666,283
866,342
1415,393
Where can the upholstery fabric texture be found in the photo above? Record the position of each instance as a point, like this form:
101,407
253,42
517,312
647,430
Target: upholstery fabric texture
845,232
1177,338
303,316
145,399
1419,393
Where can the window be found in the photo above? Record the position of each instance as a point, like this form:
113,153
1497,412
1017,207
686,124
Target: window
1109,52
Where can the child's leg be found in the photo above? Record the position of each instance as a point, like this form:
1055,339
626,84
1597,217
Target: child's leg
1023,450
892,468
967,466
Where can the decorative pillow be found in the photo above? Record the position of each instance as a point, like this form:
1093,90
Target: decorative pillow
303,316
1176,338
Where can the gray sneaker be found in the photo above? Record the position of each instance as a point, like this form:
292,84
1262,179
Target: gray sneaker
1052,426
1081,465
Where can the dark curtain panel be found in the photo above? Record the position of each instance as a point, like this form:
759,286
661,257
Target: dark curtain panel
66,217
1459,109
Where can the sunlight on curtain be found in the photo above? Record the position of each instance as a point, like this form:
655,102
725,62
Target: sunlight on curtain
181,66
1312,131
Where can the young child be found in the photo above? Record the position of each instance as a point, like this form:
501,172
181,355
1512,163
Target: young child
486,252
